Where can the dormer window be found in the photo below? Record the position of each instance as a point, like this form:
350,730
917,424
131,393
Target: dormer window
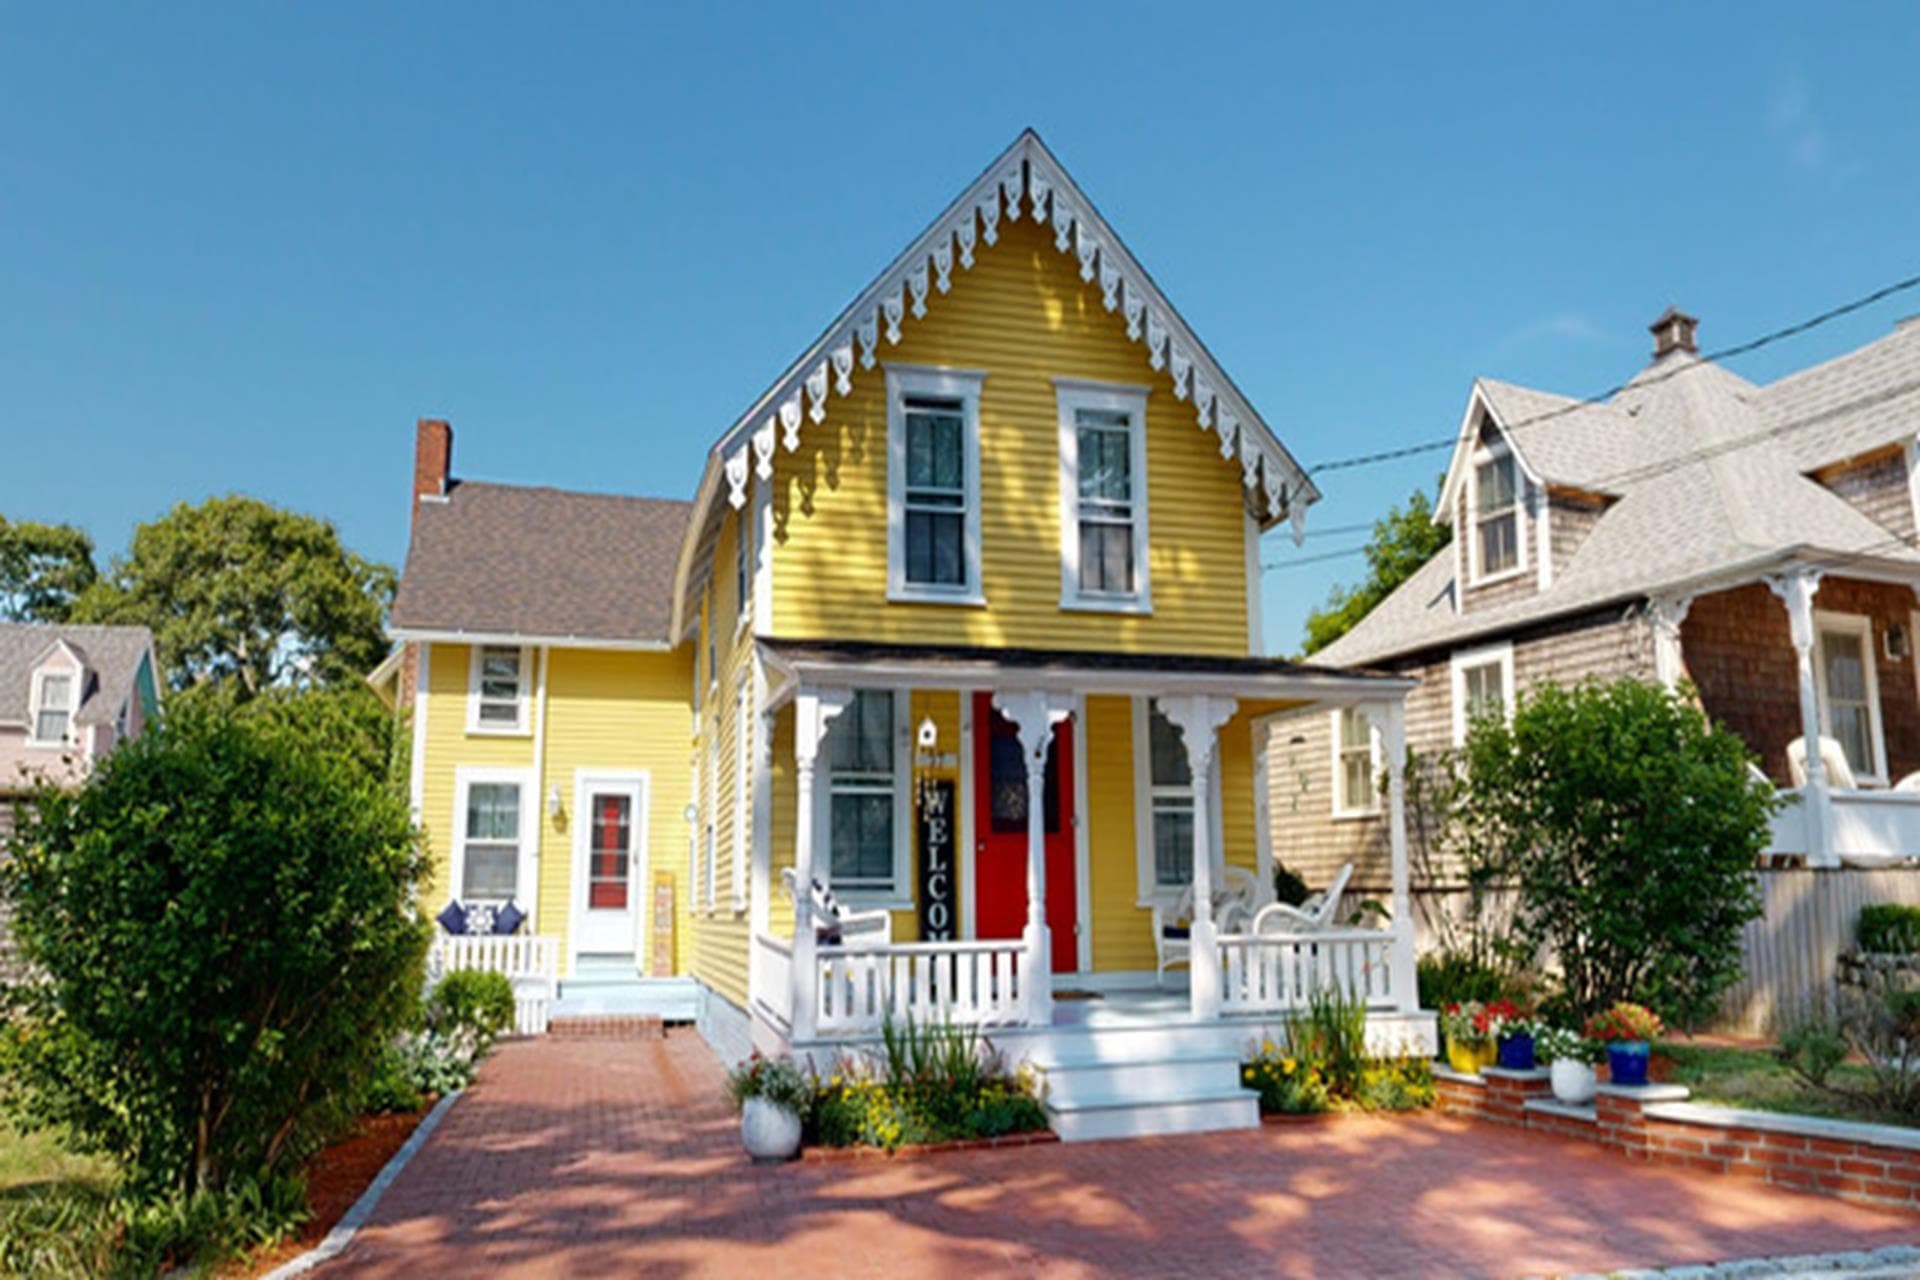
53,708
1496,513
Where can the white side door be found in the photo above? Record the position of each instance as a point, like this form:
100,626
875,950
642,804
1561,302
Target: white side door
609,855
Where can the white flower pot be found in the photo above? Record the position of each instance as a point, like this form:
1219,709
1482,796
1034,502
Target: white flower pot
1573,1081
769,1130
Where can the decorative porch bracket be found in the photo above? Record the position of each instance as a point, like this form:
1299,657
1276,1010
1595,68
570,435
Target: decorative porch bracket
1389,720
813,713
1034,713
1198,717
1796,588
1667,613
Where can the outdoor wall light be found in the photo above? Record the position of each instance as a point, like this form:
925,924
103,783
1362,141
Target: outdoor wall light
553,801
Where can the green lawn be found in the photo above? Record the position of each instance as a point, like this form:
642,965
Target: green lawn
1754,1078
55,1215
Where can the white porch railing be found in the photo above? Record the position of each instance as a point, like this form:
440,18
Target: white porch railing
1280,973
977,983
1866,828
530,961
773,978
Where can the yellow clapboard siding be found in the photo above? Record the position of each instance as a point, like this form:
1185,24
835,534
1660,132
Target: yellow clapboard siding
1122,930
1022,315
449,746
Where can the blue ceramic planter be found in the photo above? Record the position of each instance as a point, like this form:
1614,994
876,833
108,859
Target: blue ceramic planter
1627,1061
1516,1053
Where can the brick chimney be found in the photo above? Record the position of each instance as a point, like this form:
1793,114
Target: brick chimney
432,459
1672,332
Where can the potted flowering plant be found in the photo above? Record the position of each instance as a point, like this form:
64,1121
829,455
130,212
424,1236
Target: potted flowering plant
1469,1036
1628,1031
1513,1030
1571,1057
773,1097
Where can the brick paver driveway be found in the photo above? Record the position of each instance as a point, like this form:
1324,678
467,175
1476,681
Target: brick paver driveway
590,1158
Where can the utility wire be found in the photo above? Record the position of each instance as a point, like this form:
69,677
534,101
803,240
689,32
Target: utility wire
1712,357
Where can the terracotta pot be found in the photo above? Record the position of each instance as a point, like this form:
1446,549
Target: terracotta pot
1574,1081
769,1130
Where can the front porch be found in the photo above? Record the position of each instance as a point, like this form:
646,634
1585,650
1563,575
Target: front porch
1060,743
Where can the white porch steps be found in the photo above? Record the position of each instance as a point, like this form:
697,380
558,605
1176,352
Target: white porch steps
1102,1089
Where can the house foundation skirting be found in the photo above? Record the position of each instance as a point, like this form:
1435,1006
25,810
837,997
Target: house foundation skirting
1870,1163
724,1025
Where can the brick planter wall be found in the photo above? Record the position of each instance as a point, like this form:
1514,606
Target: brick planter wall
1876,1164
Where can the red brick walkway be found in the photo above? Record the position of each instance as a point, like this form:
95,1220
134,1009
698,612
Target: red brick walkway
605,1158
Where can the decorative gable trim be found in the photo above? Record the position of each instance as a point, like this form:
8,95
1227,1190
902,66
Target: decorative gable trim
1026,181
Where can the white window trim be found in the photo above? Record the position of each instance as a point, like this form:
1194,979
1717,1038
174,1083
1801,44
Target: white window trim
1072,394
526,876
1150,892
905,380
76,677
522,727
1343,809
1468,658
1521,489
1861,625
742,763
899,897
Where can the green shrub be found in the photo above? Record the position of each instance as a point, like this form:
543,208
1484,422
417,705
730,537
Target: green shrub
929,1083
1813,1050
1454,977
392,1088
223,923
1888,928
1287,1085
470,1000
1396,1084
209,1226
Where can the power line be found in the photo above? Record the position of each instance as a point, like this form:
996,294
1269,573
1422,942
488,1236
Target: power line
1712,357
1324,555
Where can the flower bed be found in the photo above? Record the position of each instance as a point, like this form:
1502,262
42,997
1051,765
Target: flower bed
1324,1066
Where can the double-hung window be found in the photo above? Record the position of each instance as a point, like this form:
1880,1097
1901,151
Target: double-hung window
1496,512
491,834
1482,687
1172,803
933,485
1103,498
53,708
1356,763
863,775
1849,690
497,689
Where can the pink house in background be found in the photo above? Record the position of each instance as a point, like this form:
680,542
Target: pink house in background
68,695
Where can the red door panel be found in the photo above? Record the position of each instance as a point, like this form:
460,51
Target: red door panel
1000,833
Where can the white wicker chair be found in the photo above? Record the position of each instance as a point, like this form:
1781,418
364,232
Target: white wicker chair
1235,894
831,918
1321,911
1832,755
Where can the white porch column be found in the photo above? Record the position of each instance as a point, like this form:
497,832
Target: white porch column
813,711
1796,589
1199,717
1262,813
1034,713
1668,612
1389,720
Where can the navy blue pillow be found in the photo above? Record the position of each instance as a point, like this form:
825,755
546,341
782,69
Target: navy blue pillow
454,918
509,918
1175,931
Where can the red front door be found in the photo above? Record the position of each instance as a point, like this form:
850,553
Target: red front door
1000,833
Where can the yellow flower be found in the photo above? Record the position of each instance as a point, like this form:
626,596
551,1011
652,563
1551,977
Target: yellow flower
1287,1065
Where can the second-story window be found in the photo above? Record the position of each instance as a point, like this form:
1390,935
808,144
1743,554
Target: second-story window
1103,499
1496,512
933,485
497,689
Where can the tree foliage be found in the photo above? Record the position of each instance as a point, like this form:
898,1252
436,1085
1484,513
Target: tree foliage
1403,540
222,928
43,569
1628,825
237,591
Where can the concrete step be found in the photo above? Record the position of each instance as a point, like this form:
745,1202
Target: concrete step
672,999
1070,1080
1139,1114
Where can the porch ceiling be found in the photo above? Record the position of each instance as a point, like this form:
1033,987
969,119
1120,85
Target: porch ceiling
842,662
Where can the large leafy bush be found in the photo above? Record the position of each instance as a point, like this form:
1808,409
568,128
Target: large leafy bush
1628,824
222,928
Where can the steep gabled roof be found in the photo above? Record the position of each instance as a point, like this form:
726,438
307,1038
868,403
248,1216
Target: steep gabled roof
112,656
512,560
1025,181
1710,476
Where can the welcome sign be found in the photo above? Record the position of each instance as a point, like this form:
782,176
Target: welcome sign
937,874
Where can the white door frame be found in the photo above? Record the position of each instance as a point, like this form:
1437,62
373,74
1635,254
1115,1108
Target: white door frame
585,782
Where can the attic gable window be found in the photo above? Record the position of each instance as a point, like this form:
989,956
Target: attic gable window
53,708
933,485
1496,513
1103,497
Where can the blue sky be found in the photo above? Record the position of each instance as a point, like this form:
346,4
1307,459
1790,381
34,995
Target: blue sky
242,249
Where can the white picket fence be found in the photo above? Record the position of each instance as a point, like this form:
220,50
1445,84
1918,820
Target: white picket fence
1269,973
978,983
530,961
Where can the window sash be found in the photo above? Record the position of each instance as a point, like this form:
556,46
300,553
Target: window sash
1497,514
501,679
1485,687
1845,688
1172,840
490,842
55,713
862,793
1355,776
1105,502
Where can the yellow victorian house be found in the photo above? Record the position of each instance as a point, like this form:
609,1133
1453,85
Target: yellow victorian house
944,698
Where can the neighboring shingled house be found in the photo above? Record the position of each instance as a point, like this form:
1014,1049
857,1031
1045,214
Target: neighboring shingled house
1755,540
68,695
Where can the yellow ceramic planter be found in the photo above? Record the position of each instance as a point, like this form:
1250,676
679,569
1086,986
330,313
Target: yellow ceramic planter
1470,1059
